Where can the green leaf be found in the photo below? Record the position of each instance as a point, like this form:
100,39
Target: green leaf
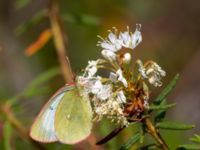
44,77
31,22
160,101
90,19
21,3
166,90
188,147
160,115
161,107
7,130
148,147
31,92
35,87
83,19
174,125
131,142
142,135
196,138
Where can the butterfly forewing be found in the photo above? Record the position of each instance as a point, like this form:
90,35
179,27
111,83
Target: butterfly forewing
43,129
73,118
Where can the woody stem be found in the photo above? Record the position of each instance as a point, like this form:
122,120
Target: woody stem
155,134
60,41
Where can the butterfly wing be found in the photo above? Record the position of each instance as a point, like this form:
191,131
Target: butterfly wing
73,118
43,129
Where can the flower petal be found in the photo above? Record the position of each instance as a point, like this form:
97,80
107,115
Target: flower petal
121,97
136,37
109,55
121,77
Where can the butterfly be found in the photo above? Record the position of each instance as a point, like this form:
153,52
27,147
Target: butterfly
66,117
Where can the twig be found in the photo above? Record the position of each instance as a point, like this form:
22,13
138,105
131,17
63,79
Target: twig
22,131
60,41
155,134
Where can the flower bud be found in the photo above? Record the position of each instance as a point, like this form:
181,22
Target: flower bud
127,58
109,55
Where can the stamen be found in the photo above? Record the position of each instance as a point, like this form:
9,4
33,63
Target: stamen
138,27
127,28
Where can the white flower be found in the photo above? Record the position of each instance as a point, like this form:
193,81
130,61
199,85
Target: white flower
127,58
105,92
141,69
121,77
102,92
125,38
96,88
155,73
86,83
115,42
152,71
91,69
156,68
112,110
112,43
131,40
93,85
118,76
121,97
136,37
109,55
113,77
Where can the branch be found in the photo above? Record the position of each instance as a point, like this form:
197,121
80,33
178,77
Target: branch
60,41
155,134
22,131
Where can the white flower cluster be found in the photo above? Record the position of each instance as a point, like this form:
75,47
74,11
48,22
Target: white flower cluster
106,101
151,71
112,109
115,42
109,95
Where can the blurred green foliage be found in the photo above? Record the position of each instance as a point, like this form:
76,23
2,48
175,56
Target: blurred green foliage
21,3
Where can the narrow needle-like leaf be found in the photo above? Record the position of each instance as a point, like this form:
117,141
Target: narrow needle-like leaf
7,135
188,147
133,140
161,107
174,125
196,138
167,90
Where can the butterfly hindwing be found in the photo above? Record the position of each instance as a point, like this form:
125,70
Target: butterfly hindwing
73,118
43,129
